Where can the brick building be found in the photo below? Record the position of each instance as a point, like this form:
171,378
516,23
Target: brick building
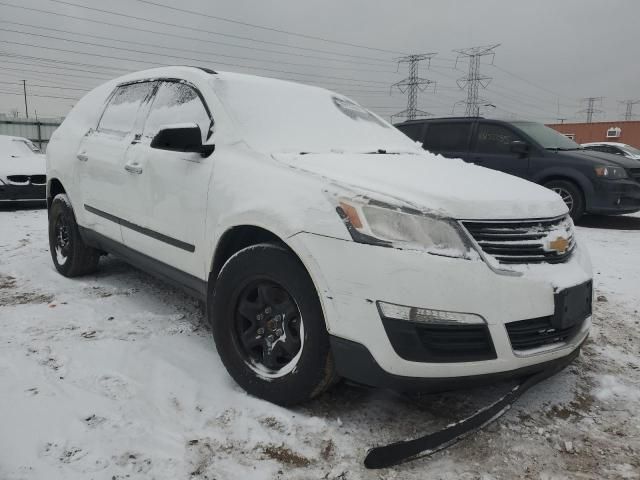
616,131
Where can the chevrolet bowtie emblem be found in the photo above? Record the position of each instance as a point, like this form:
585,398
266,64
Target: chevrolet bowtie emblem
560,245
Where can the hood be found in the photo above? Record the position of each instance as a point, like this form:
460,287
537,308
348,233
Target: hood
430,183
601,158
23,165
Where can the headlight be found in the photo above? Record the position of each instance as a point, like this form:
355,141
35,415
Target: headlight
611,172
380,224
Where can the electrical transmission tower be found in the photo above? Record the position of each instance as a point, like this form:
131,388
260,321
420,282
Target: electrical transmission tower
412,84
473,80
591,107
628,114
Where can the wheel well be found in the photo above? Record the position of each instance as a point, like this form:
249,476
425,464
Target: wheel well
55,187
234,240
564,179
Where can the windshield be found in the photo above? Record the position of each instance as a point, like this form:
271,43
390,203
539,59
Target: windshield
284,117
547,137
632,150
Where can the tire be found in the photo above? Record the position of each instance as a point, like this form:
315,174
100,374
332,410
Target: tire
69,253
282,354
571,194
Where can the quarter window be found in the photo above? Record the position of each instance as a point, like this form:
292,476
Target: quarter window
120,114
495,139
447,137
175,103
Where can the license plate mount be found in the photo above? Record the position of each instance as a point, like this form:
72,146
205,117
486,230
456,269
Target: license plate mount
572,305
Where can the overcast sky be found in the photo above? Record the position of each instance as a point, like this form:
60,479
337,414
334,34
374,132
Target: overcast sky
552,53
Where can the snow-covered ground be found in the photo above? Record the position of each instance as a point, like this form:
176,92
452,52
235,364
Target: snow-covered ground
115,376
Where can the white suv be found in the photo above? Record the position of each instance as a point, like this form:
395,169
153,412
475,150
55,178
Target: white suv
325,243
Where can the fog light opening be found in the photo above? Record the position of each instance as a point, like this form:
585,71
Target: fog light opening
428,315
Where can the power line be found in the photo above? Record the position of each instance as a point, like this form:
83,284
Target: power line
591,109
166,56
138,29
46,86
73,75
145,44
628,114
37,95
556,94
210,32
107,76
262,27
412,84
473,80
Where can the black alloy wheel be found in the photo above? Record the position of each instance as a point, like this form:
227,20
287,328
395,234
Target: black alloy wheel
269,328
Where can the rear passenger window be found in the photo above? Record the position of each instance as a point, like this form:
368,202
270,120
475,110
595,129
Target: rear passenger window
120,114
177,103
495,139
447,137
413,131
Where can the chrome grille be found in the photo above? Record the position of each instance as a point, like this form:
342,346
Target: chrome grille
524,241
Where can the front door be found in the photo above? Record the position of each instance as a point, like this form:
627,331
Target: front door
170,187
491,148
100,160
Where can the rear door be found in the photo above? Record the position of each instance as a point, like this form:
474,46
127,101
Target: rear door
170,188
101,156
448,138
491,148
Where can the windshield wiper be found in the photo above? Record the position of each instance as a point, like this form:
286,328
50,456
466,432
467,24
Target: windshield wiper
558,149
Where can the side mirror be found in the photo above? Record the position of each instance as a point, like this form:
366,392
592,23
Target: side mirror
181,138
519,147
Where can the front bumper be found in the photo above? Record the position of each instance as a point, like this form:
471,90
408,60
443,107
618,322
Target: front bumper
355,362
22,193
352,277
615,196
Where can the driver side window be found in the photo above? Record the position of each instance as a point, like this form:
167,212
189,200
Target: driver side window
176,103
495,139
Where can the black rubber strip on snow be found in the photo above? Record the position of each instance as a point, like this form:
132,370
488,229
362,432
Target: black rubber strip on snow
402,451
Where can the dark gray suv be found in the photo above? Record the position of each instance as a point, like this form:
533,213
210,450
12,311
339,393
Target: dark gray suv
588,181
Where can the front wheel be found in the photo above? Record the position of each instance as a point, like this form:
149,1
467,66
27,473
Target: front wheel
70,255
269,328
571,195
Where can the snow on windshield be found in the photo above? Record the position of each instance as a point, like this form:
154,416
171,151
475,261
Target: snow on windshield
276,116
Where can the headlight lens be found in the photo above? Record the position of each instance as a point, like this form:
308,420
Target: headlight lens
385,225
609,171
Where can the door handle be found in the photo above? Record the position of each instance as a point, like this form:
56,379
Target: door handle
83,157
133,168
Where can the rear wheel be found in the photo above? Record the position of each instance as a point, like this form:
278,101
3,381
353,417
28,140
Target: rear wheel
268,326
571,195
69,253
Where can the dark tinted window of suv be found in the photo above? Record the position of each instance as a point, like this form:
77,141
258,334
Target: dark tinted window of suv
447,137
413,131
493,138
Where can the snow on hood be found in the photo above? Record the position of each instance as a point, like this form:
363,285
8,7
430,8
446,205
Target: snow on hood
443,186
27,165
16,157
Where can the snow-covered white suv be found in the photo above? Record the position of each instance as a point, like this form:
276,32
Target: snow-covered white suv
325,243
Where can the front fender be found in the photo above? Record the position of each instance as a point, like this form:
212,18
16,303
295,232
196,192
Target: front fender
570,174
251,189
